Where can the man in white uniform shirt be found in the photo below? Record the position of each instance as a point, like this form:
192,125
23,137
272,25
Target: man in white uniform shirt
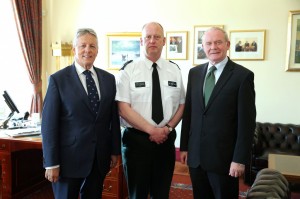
148,146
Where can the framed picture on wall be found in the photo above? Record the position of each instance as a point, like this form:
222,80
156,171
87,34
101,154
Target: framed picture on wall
122,47
199,55
247,44
293,42
176,45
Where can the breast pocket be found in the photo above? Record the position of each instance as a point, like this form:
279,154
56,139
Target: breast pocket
171,91
140,91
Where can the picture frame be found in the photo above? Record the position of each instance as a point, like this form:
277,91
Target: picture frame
122,47
293,42
247,44
176,45
199,56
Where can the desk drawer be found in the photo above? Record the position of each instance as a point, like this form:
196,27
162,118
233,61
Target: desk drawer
109,197
4,145
110,186
4,159
113,173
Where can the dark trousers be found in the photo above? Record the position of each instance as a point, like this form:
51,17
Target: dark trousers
148,167
210,185
88,188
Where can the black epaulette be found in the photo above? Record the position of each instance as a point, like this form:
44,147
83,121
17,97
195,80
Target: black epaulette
174,63
125,64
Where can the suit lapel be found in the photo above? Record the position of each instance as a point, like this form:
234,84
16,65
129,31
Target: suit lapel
202,70
101,81
225,76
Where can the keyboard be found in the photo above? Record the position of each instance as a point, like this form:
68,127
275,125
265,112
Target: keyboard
22,132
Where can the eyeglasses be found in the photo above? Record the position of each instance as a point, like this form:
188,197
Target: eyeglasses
217,43
155,37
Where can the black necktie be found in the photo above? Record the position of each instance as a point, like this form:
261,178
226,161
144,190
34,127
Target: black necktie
209,84
157,109
92,91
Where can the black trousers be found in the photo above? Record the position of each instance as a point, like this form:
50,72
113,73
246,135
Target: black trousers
148,167
210,185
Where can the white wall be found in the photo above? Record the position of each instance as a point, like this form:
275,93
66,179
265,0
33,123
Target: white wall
277,91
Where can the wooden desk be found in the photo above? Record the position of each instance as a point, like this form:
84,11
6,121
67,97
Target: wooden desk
114,186
21,169
22,172
288,165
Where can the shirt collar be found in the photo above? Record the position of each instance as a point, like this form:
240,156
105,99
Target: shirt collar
80,69
220,65
149,63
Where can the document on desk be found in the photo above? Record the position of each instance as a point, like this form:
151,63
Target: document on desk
22,132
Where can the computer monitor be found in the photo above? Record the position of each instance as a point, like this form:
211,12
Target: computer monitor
12,106
10,103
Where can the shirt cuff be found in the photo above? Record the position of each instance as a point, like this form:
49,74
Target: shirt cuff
53,167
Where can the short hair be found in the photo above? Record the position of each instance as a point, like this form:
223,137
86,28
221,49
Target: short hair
83,31
219,29
154,23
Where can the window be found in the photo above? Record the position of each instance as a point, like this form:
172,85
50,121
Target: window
14,77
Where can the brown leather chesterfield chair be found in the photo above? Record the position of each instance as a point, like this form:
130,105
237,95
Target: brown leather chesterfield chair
271,138
269,183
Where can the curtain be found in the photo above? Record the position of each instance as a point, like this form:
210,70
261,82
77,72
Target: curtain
28,17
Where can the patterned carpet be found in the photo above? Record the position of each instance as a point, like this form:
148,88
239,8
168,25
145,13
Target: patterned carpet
181,191
185,191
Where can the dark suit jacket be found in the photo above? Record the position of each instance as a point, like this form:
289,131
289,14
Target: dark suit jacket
222,132
71,132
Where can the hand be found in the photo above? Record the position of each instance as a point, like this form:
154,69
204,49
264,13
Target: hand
159,135
236,169
183,157
52,174
114,161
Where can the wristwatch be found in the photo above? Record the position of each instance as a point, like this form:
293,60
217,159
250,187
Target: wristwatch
169,127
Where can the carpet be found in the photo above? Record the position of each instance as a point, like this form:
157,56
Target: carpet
185,191
181,191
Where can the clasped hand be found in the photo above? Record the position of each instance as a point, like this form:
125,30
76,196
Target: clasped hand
159,135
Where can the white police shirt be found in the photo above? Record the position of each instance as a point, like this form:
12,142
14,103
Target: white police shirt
134,86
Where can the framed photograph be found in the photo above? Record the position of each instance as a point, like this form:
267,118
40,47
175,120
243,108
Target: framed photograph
247,44
199,54
293,42
176,45
122,47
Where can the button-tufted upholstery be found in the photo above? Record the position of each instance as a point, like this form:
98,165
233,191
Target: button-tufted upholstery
269,183
272,138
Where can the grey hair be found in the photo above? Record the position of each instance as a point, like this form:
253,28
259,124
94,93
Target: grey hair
83,31
219,29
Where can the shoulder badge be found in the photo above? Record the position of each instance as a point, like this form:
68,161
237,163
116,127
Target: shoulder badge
125,64
174,63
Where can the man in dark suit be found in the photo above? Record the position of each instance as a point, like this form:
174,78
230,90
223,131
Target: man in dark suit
216,138
81,135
